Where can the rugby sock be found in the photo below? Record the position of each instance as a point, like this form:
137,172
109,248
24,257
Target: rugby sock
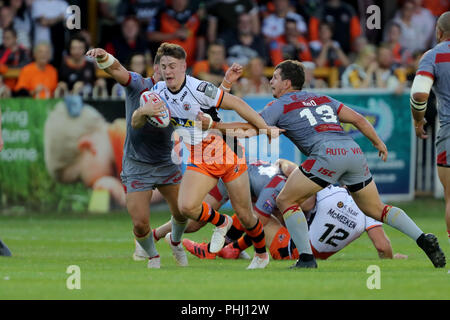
243,242
256,234
147,244
398,219
208,214
236,230
298,228
177,231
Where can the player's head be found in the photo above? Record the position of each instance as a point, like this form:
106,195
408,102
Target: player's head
443,27
77,148
172,65
288,76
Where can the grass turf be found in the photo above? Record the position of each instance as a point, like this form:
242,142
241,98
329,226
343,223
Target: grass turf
44,246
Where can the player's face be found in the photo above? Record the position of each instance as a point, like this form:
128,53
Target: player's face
173,72
277,84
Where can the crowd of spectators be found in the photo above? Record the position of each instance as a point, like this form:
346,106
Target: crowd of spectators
41,57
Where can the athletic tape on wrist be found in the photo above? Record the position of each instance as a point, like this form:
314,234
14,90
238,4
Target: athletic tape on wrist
105,62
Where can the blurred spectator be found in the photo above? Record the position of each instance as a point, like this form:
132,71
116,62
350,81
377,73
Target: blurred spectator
424,19
39,78
400,54
358,45
360,74
48,16
76,70
254,82
342,16
108,24
22,22
389,74
326,52
311,82
437,7
244,45
410,37
308,8
273,26
11,53
212,70
138,64
143,10
6,20
290,45
224,16
177,24
129,41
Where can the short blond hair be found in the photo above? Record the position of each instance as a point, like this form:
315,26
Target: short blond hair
62,134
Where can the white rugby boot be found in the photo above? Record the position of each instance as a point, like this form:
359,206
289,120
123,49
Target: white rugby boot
154,262
259,262
218,237
139,253
177,251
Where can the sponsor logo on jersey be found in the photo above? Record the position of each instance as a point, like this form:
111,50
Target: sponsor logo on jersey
211,91
268,206
183,96
186,106
202,86
340,204
180,122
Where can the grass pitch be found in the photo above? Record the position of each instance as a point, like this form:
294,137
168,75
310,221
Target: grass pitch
44,246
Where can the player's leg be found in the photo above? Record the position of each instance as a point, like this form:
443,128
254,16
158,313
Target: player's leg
138,206
368,200
298,188
178,223
444,177
194,187
240,197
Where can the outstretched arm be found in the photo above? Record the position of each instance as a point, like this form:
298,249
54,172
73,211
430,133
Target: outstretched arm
381,242
347,115
110,64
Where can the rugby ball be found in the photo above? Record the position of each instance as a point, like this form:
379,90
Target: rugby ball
152,97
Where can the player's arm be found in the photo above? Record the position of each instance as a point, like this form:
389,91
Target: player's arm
347,115
231,76
381,242
150,109
286,166
110,65
420,91
231,102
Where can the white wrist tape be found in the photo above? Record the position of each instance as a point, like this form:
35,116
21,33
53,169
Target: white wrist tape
105,62
418,106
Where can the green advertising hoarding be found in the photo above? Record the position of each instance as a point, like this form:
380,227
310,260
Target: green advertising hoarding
24,180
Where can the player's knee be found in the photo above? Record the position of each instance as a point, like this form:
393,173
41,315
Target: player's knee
189,209
141,227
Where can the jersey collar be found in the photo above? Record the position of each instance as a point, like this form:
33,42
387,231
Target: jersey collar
181,88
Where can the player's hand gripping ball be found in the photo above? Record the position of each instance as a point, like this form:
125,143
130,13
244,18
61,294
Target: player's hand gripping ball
156,121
